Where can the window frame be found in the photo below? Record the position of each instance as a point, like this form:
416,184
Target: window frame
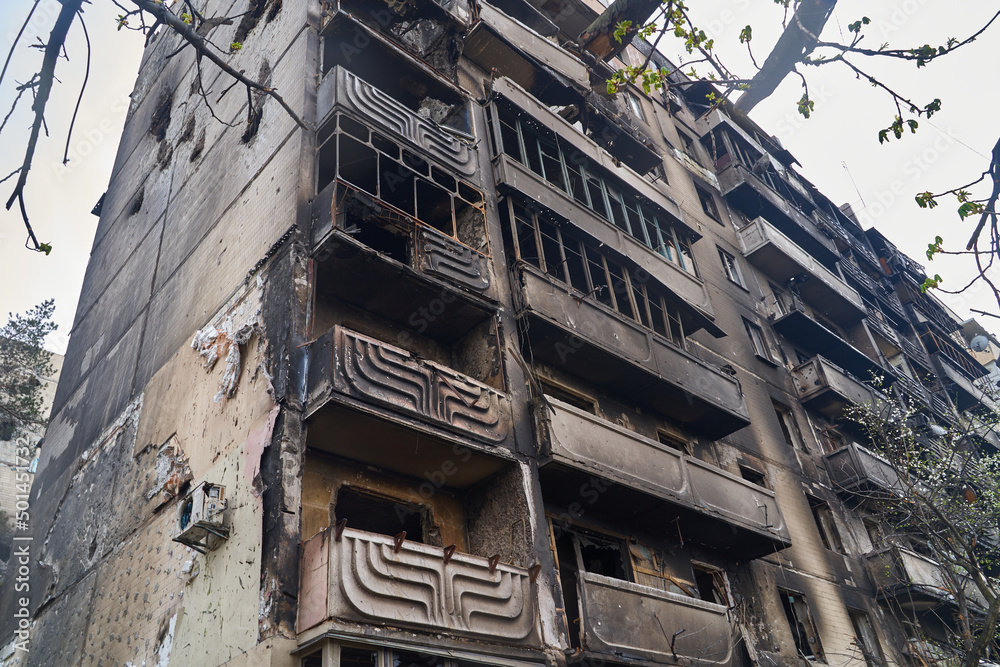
708,203
731,268
758,343
796,608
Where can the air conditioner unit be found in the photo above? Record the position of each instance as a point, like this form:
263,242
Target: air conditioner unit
201,517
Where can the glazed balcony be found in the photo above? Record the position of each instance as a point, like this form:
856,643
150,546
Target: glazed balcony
651,480
913,581
828,389
856,470
627,359
782,259
352,576
619,618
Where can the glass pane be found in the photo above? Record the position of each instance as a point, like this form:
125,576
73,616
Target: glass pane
621,289
618,210
414,659
550,249
599,277
575,265
576,182
594,187
525,231
552,164
687,259
657,316
508,135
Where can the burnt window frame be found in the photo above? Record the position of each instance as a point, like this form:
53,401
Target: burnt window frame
618,290
788,425
797,611
758,343
826,525
603,195
731,268
708,203
872,654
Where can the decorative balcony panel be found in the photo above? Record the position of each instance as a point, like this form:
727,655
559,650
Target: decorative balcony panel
364,577
621,619
725,511
342,90
380,374
828,389
854,469
877,326
781,259
912,580
442,256
498,41
611,351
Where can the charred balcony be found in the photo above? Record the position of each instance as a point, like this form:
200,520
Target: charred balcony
625,356
959,370
856,470
783,260
626,622
828,389
816,335
343,368
647,481
914,582
352,576
395,210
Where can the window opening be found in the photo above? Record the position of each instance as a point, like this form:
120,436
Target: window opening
789,430
635,105
731,268
708,204
374,514
757,343
866,639
825,524
753,476
569,396
711,584
801,624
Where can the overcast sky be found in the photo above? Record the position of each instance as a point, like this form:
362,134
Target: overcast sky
838,146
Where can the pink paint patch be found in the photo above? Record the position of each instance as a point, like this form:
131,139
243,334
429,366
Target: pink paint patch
254,448
314,581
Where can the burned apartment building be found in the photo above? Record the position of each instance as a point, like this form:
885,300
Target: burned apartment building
486,368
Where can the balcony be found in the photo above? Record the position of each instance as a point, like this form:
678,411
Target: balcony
780,258
627,359
809,334
652,481
343,92
619,619
747,192
829,390
497,41
349,368
879,326
854,469
913,581
358,577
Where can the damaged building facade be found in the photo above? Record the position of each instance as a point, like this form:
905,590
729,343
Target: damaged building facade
486,368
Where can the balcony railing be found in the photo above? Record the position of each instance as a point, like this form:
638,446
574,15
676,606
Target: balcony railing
717,504
795,323
350,576
877,325
858,277
910,579
777,255
353,367
914,351
854,469
828,389
619,618
626,358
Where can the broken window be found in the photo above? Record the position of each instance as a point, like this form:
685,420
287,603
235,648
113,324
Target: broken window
800,622
541,150
569,396
789,429
673,442
370,166
757,342
577,261
711,583
866,639
731,268
708,204
340,655
826,525
753,476
375,514
635,105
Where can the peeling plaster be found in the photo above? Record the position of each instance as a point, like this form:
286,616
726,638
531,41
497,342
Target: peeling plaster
253,450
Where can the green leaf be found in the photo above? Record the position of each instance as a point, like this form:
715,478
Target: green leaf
746,35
